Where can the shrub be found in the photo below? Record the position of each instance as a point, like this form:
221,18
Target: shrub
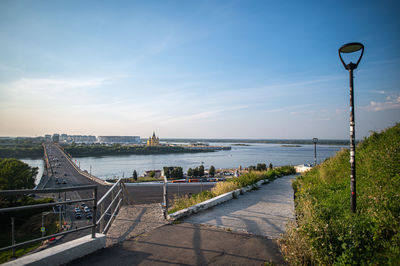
223,187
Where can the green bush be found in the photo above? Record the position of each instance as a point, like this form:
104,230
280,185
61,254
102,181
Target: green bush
327,232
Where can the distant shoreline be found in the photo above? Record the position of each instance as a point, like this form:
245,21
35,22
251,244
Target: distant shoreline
266,141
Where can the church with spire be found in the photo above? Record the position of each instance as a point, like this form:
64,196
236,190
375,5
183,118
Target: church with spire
153,140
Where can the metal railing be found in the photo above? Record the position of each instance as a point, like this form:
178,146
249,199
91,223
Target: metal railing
112,201
6,193
114,197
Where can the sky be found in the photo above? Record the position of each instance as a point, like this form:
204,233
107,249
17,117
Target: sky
197,69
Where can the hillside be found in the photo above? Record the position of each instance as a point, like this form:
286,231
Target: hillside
327,232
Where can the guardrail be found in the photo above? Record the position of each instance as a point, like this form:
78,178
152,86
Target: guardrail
115,196
35,206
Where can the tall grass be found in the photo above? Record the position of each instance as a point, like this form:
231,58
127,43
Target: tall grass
248,179
327,232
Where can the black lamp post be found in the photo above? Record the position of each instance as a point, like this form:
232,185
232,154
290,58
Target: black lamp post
351,48
315,140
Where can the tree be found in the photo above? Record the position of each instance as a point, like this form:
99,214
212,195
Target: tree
190,172
152,174
15,174
252,168
261,167
177,172
270,166
167,171
134,175
196,171
201,170
211,172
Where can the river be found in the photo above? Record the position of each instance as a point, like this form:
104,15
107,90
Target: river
36,163
277,154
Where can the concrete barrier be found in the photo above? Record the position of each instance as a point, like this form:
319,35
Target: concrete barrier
214,201
63,253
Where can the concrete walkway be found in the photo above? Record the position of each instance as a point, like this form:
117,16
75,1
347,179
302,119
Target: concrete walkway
263,212
135,220
219,236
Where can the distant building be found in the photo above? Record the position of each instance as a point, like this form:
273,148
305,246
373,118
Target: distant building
56,138
153,140
119,139
82,139
47,137
63,137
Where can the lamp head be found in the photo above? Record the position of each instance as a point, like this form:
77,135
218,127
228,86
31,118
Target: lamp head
315,140
351,48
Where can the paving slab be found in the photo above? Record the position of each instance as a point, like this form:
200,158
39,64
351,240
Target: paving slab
188,244
134,220
263,212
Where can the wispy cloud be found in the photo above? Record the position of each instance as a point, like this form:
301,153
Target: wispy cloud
391,102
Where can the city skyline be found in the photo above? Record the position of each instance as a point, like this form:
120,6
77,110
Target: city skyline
226,69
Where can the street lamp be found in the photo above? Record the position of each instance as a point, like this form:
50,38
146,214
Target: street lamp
346,49
315,140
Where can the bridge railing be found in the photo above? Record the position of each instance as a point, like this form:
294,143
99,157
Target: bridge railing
5,193
110,204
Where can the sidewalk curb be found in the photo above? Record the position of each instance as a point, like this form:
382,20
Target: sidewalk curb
214,201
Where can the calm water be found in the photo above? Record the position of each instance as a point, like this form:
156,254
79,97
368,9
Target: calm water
114,166
36,163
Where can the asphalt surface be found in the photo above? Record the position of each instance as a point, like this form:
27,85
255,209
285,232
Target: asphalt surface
188,244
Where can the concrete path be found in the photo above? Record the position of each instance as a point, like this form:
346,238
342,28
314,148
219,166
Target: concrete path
135,220
263,212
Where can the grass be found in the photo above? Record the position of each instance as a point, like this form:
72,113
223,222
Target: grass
326,231
249,179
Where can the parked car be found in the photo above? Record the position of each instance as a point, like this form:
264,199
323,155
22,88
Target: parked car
64,182
78,215
86,209
77,210
89,215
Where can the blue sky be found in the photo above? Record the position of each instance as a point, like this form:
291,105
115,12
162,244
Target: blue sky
201,69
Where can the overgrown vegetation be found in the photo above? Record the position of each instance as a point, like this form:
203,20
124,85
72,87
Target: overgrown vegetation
242,181
327,232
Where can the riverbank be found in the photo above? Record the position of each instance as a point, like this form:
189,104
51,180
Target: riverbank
21,151
86,150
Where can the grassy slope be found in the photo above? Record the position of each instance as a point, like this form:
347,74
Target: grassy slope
327,232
